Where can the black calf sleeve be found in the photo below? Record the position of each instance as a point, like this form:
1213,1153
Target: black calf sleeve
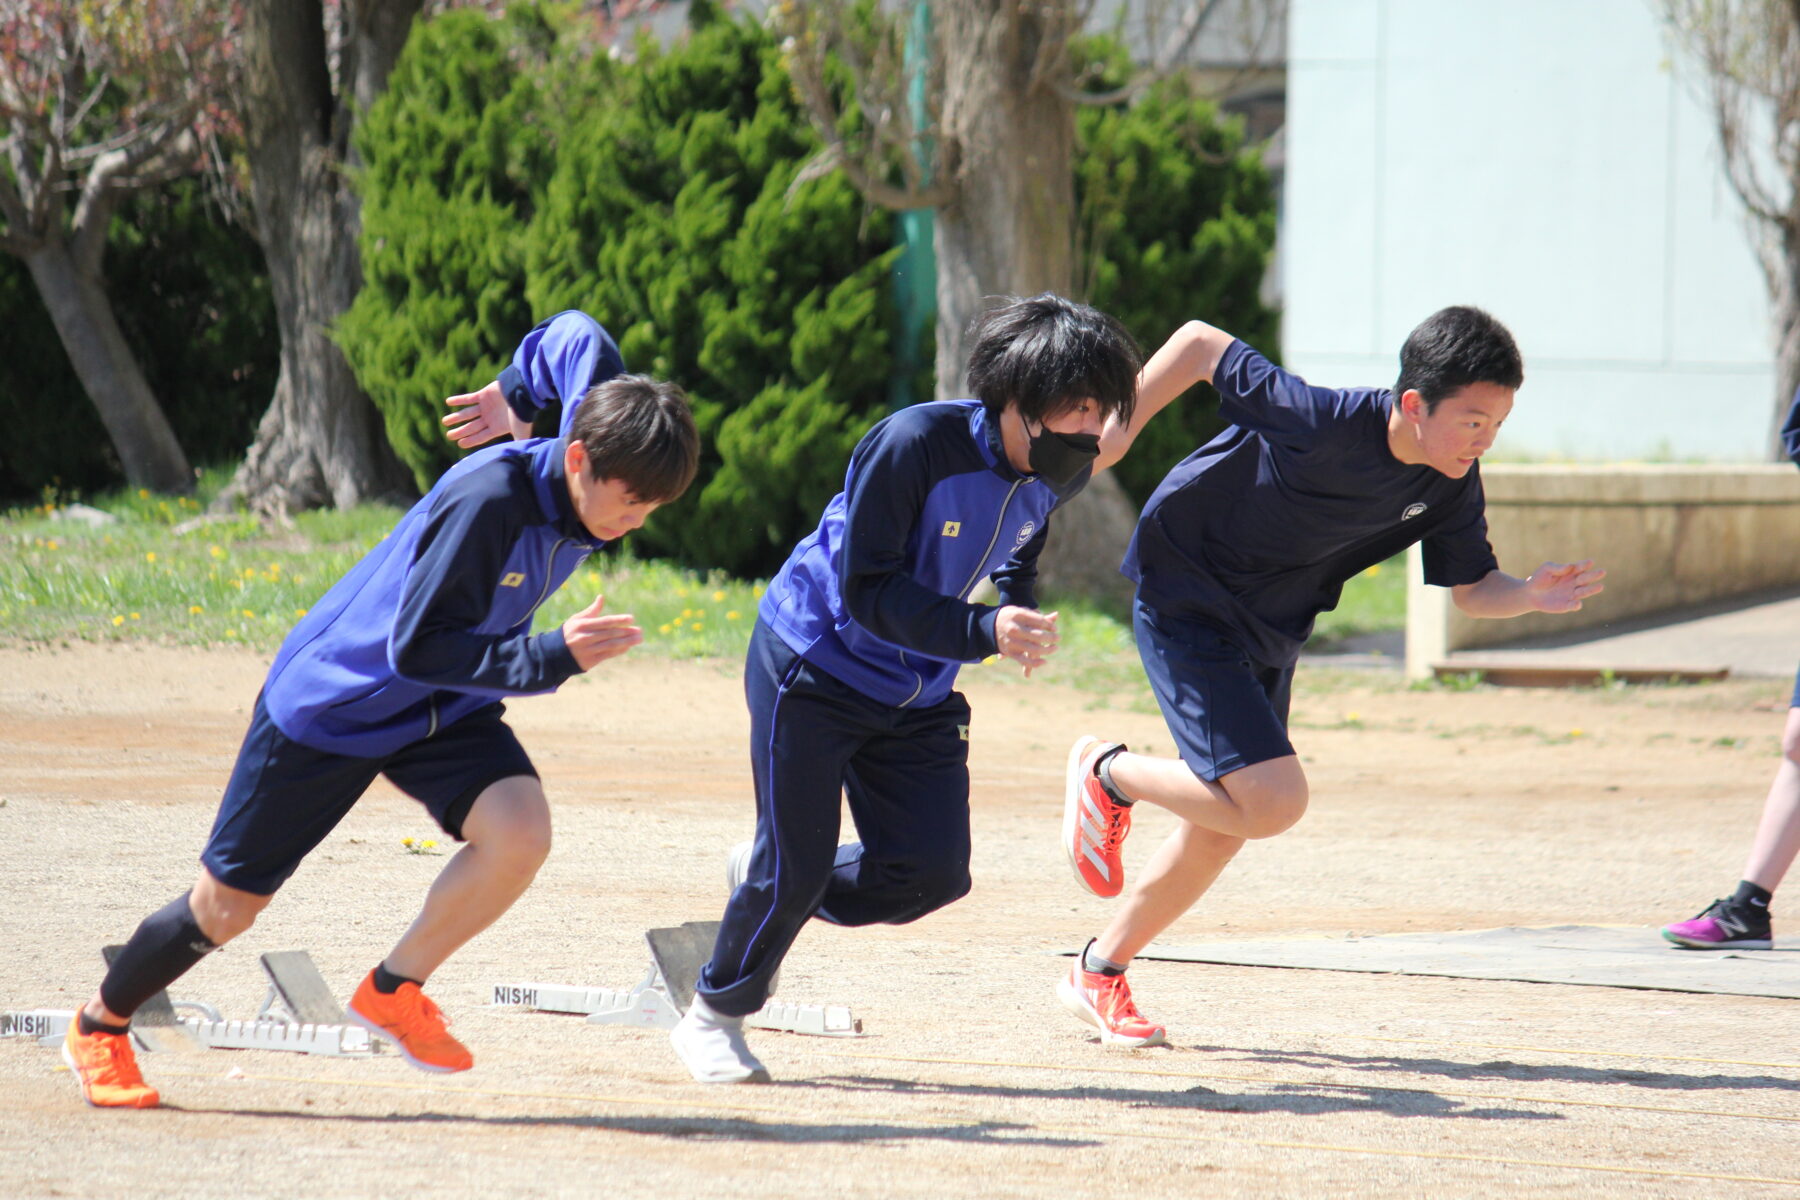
163,949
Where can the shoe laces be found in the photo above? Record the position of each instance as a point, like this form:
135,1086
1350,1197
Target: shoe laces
1114,834
118,1065
1115,998
417,1007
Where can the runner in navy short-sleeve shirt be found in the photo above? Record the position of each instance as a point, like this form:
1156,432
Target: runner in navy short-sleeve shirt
1238,551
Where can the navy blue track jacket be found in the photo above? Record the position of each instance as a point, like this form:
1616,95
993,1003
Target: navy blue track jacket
877,595
435,621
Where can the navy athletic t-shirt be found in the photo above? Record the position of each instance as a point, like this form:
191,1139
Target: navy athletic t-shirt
1256,532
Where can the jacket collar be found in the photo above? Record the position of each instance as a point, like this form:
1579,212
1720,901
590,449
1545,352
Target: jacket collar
551,481
993,452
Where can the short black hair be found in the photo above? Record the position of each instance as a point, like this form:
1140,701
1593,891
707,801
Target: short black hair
640,432
1453,348
1045,353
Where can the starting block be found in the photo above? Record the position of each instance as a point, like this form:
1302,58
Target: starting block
299,1015
667,989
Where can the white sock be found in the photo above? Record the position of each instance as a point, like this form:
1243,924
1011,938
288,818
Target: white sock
712,1046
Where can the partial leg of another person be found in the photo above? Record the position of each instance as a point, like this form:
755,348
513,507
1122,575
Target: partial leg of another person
1742,920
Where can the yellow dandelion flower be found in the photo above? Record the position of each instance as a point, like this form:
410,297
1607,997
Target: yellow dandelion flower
1373,571
134,616
216,551
1575,733
248,614
195,609
150,556
118,620
732,615
231,633
52,544
687,612
718,597
429,844
406,841
664,627
698,626
676,622
143,493
299,612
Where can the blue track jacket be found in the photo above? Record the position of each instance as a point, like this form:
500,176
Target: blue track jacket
435,621
876,596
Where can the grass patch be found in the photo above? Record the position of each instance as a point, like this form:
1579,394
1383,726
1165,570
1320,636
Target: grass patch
160,572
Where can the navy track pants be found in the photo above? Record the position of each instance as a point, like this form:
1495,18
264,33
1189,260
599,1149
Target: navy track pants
814,740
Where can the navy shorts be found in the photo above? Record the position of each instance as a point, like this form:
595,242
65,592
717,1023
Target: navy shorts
1795,702
284,798
1226,711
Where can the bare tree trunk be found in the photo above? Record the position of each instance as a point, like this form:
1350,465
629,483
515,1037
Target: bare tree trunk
1011,231
321,441
1011,227
109,373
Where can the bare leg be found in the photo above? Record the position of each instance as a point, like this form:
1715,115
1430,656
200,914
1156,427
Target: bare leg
1178,874
1777,839
221,912
508,832
1257,801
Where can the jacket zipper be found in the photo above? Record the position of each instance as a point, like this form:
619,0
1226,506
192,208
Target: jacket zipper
432,732
999,522
549,571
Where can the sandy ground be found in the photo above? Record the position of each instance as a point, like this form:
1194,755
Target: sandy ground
1432,810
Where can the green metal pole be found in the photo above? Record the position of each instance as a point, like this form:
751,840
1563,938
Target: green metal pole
915,270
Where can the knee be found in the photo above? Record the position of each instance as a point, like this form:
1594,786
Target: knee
933,885
510,825
1275,813
222,913
522,845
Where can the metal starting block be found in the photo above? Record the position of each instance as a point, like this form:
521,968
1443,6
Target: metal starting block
298,1015
667,989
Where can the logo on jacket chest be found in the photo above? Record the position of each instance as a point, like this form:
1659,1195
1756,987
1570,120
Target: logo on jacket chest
1412,510
1025,532
512,579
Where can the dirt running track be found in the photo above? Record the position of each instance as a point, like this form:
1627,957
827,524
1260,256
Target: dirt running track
1432,810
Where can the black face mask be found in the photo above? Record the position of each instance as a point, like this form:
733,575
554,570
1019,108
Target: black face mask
1060,457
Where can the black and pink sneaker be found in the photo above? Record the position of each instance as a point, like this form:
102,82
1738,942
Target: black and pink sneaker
1723,926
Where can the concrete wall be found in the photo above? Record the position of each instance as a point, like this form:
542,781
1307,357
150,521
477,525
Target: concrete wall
1669,537
1550,162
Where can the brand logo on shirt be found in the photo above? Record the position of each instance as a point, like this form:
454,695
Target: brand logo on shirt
952,528
1412,510
962,731
1025,532
512,579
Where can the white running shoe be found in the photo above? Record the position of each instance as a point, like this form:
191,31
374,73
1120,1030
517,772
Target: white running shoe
712,1047
737,866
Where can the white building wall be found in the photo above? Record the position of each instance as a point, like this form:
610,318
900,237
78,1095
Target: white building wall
1540,159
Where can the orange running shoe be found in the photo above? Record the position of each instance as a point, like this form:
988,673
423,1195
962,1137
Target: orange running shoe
107,1069
1094,824
413,1023
1104,1001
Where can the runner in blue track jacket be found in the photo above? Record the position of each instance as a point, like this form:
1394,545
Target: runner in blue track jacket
400,669
859,637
